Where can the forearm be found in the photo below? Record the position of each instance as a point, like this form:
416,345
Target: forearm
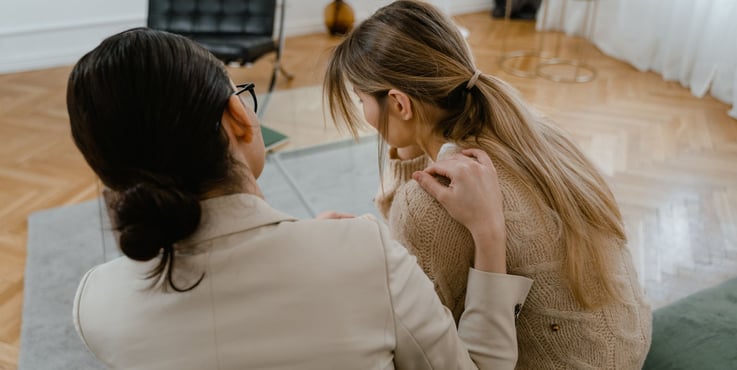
490,250
487,326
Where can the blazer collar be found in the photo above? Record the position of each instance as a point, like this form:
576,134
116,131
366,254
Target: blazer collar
234,213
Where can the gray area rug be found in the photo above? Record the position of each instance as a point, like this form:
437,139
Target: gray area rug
63,243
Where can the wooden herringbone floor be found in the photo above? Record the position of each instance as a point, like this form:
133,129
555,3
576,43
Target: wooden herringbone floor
669,156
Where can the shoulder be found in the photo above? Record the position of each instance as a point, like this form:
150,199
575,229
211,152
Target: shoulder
373,237
411,198
98,290
357,241
113,276
115,270
361,229
414,208
523,199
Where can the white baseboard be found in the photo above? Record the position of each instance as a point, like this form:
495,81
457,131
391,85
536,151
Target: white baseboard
304,27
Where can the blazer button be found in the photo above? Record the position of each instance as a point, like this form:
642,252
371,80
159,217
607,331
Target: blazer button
554,327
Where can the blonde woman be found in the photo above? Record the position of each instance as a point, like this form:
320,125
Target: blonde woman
419,87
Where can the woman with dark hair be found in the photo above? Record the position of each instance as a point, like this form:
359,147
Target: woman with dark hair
213,277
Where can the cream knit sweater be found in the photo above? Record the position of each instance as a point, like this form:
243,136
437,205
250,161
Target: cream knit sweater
553,330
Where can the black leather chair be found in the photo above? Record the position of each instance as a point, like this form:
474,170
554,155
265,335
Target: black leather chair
239,31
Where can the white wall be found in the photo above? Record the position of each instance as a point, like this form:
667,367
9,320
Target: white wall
38,34
44,33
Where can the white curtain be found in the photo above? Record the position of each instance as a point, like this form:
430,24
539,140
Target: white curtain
691,41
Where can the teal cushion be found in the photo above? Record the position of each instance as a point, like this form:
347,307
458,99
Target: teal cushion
697,332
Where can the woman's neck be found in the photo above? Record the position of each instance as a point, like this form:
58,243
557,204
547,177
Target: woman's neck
428,139
431,146
247,185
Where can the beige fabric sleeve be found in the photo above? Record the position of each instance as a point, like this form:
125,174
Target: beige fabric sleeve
425,332
76,308
487,324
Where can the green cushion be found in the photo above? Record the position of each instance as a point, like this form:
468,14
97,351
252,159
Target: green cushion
697,332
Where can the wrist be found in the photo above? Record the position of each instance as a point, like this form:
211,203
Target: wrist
490,253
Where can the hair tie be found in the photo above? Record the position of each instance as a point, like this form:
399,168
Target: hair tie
472,82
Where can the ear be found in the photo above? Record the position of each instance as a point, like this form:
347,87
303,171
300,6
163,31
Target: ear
237,119
400,104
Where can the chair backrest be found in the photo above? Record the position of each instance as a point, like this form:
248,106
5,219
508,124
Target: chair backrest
213,17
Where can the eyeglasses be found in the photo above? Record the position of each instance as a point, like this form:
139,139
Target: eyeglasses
250,88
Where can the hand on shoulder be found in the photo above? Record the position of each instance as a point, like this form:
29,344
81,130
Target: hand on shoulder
473,197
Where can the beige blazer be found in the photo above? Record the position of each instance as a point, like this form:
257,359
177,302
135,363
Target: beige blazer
279,293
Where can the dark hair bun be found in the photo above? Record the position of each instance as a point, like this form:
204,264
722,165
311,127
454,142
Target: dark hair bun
151,217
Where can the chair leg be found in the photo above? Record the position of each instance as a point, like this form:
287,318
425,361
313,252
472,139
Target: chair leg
286,74
273,78
267,98
277,68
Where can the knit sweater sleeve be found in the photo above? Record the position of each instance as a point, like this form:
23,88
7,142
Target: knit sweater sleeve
396,173
444,248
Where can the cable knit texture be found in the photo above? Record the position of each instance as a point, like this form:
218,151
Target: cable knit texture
553,330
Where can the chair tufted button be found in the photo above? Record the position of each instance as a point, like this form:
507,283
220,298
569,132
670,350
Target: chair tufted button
554,327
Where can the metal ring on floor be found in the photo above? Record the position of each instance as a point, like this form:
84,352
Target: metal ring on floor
578,65
517,55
